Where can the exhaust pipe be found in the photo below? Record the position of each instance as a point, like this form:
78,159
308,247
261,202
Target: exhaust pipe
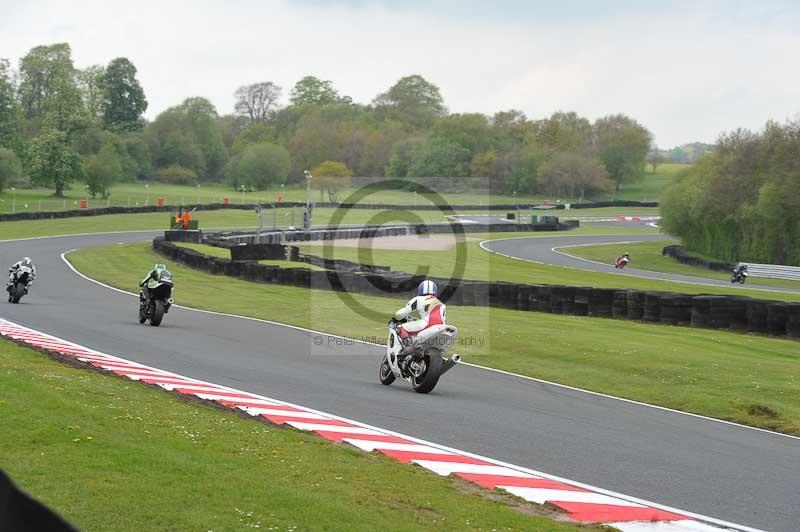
449,363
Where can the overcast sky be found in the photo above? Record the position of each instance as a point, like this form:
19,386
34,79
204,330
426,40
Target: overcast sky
687,71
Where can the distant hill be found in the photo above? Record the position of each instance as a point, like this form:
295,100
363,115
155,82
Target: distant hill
686,153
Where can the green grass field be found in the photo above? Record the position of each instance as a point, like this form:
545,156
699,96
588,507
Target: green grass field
133,194
110,454
649,189
721,374
647,256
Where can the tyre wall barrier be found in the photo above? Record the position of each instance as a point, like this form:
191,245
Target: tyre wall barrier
676,309
651,309
707,311
195,236
777,316
678,253
793,320
259,252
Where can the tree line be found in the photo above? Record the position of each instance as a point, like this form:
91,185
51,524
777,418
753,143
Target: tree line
59,124
741,201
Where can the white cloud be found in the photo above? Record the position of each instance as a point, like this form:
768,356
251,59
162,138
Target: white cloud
687,73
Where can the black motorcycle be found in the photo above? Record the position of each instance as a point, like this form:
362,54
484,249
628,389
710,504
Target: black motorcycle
19,285
159,301
739,275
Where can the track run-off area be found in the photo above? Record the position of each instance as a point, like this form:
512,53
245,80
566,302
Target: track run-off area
704,466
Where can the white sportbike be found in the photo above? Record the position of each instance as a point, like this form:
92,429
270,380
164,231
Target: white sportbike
422,362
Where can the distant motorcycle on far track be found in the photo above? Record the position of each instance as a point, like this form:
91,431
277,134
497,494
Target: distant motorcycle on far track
739,274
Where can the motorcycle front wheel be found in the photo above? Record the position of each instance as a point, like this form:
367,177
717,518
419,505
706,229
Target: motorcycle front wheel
426,381
18,292
158,313
385,374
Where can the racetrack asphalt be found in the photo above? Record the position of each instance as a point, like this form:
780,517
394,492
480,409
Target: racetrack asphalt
721,470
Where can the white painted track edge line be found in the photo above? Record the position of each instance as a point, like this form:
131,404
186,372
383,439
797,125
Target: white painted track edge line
699,517
477,366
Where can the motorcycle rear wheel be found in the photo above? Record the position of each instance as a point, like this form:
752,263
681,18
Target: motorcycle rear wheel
157,313
426,382
385,374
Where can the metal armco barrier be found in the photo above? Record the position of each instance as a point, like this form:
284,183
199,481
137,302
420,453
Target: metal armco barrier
773,271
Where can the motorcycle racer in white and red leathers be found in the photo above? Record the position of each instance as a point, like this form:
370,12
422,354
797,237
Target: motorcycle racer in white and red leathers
431,311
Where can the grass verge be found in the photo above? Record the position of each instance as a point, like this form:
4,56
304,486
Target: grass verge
96,448
647,256
725,375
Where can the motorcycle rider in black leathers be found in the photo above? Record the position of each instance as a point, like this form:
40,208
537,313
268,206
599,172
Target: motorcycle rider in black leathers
14,269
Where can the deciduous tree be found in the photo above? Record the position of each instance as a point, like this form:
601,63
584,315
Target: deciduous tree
10,167
413,100
622,145
42,73
123,101
259,166
331,177
437,157
91,84
53,161
10,116
188,135
572,175
257,101
313,91
102,169
655,158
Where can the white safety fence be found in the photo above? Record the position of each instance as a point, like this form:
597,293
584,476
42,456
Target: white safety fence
774,271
